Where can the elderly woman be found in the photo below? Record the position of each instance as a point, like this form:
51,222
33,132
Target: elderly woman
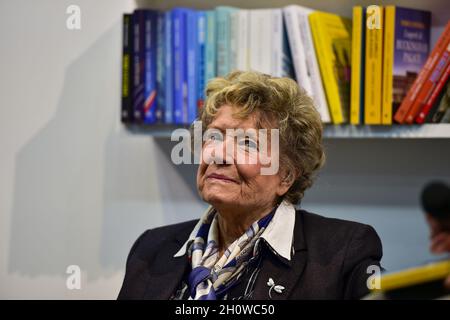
252,243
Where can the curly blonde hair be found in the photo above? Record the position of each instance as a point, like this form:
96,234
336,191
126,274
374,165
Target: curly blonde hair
279,103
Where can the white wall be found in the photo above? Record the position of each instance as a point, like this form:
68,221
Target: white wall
64,192
76,188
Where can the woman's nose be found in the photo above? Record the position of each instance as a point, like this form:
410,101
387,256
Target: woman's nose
224,152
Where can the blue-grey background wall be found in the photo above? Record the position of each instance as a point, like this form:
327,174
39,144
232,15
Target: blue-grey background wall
77,188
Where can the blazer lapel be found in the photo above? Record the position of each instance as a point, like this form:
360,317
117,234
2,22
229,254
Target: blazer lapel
283,272
168,273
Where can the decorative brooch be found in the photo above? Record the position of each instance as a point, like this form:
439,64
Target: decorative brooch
273,286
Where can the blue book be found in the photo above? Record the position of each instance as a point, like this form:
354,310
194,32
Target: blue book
210,46
168,69
201,58
150,104
138,20
192,67
160,70
148,31
180,101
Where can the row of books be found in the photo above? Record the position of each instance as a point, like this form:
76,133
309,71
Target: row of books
428,98
394,78
168,57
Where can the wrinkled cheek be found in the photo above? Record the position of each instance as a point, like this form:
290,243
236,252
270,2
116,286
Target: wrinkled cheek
201,175
249,172
207,154
247,158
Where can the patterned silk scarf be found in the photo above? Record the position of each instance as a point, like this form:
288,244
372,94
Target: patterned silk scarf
212,276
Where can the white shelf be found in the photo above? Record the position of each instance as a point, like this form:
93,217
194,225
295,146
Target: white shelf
426,131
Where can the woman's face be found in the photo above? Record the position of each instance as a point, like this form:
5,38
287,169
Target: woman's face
227,182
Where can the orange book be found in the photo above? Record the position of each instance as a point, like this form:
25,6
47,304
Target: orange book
428,86
439,48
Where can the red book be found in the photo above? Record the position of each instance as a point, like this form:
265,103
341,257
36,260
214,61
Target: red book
428,86
432,100
411,96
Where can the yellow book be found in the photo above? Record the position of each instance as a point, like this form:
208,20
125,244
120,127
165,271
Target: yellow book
332,40
357,66
418,282
415,275
374,65
388,64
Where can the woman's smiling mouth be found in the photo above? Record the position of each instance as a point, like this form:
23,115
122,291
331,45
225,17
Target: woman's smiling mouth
220,177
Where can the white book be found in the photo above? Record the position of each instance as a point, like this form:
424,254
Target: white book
291,16
304,55
243,40
260,51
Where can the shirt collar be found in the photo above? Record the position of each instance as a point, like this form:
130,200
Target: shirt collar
278,234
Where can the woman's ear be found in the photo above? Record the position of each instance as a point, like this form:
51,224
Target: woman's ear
287,179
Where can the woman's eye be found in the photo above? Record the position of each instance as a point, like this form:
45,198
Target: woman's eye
249,144
214,138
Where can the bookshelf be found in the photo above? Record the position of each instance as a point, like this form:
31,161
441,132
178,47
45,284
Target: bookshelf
440,14
426,131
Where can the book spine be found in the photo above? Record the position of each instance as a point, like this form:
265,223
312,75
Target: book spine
287,67
357,66
277,43
210,69
201,58
363,70
242,34
373,72
168,69
326,69
138,65
127,107
317,90
260,47
223,45
150,48
400,115
428,87
298,51
433,97
388,65
160,70
180,102
192,67
233,39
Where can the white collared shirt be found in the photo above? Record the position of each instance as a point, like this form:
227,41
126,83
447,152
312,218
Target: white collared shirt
278,234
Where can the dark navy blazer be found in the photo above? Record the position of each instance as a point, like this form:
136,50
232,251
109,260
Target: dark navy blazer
330,261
